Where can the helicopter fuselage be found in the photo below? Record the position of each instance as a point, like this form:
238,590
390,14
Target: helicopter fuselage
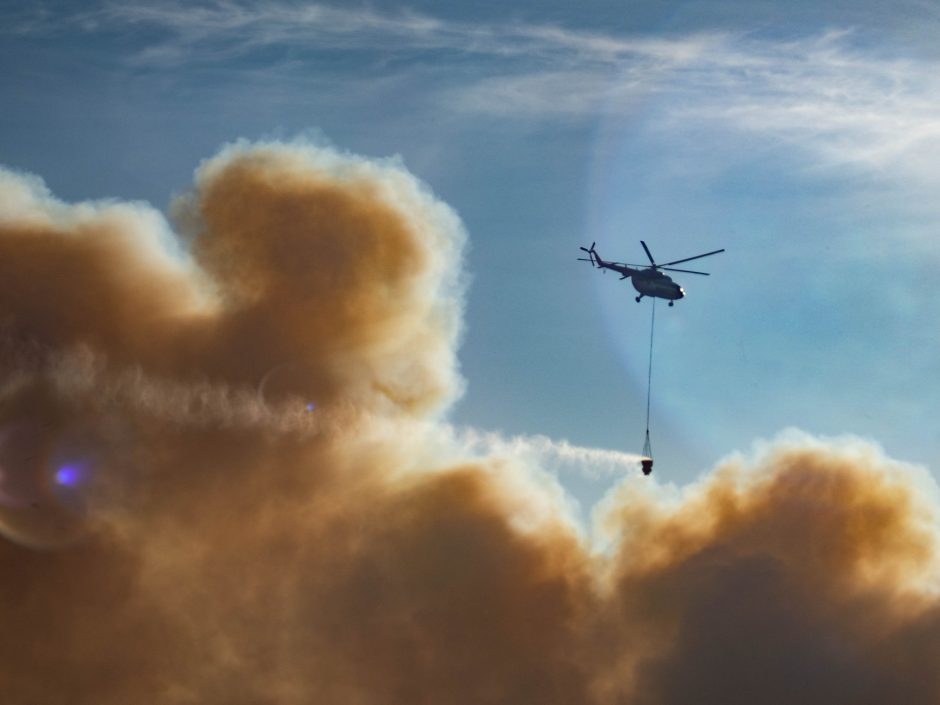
653,283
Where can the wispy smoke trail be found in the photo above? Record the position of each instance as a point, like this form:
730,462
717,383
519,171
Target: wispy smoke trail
224,478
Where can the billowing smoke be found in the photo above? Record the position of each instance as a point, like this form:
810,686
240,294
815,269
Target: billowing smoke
225,478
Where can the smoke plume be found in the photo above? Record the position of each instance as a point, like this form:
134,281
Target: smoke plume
225,477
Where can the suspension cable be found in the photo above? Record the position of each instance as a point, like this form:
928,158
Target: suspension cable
647,451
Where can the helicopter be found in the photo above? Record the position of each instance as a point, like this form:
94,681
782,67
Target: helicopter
648,281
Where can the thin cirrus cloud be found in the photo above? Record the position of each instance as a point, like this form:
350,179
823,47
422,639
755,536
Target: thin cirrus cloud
186,29
844,103
821,94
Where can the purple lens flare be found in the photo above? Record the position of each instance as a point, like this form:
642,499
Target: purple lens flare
68,475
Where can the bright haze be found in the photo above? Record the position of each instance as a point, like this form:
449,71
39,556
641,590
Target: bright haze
304,397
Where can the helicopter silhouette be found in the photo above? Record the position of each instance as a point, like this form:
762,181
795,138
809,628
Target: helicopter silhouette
648,281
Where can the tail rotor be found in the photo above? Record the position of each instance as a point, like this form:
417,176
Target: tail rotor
592,255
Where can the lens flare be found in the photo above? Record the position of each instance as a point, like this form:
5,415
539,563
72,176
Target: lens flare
68,475
42,503
290,382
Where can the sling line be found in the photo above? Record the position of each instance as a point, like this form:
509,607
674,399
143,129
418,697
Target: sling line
647,451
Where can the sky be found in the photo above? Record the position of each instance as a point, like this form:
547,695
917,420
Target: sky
211,210
802,140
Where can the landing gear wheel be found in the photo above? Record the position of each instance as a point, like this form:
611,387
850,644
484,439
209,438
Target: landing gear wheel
637,299
671,303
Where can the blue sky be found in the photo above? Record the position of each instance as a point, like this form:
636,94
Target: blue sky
803,139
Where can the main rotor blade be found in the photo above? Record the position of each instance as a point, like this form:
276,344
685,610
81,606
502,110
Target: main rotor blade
685,271
652,261
689,259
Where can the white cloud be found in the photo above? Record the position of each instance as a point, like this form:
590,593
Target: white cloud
830,95
199,30
820,93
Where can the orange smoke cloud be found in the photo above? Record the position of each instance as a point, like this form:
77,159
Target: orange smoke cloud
223,479
799,576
